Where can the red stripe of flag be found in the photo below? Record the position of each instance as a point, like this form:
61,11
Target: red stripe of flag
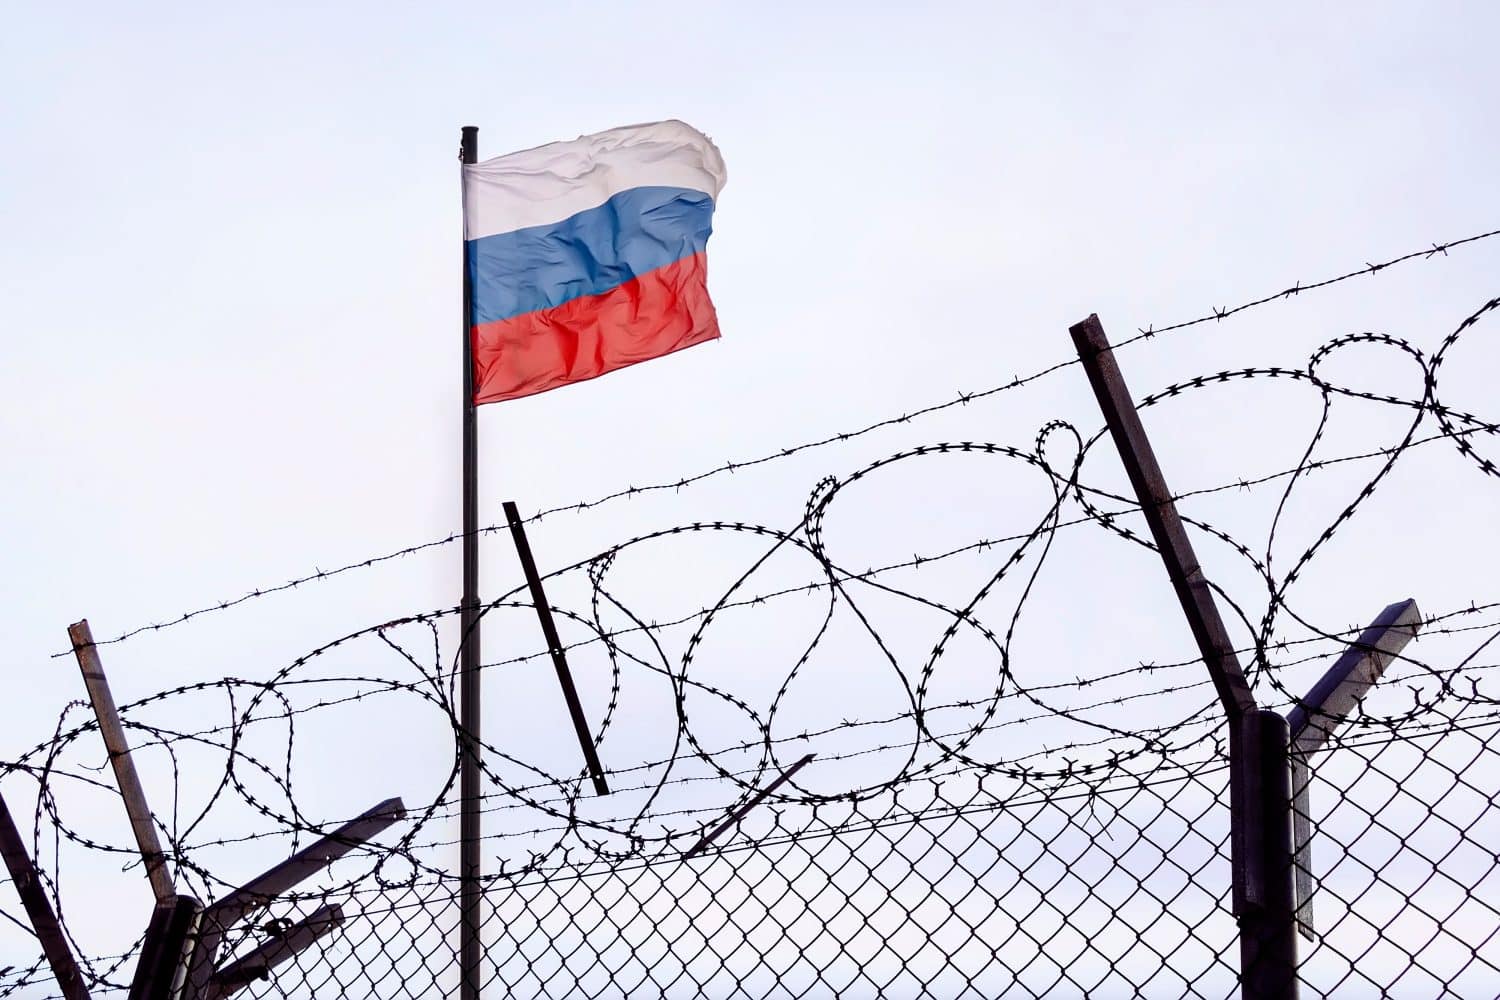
659,312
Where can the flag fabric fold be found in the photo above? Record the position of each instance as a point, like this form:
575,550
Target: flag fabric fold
588,256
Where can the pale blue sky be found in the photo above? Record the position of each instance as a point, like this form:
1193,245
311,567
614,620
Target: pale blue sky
229,281
229,285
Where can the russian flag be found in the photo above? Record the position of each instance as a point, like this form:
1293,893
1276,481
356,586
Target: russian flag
587,256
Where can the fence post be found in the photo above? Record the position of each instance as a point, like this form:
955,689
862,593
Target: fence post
1268,929
1317,717
1259,802
44,923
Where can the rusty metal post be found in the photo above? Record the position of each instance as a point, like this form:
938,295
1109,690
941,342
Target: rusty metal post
119,757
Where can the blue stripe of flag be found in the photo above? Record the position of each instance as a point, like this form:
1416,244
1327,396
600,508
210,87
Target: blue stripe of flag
634,232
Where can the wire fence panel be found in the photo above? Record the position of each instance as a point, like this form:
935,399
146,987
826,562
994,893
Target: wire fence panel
969,884
1108,888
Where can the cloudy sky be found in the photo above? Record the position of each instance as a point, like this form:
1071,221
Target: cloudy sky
230,304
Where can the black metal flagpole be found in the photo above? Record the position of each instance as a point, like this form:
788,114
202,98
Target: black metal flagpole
469,835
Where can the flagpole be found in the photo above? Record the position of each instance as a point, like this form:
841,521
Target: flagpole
469,833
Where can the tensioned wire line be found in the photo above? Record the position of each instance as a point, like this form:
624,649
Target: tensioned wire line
1079,683
1083,788
759,599
1215,315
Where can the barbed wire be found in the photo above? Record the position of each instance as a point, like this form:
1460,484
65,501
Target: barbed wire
838,578
934,764
962,399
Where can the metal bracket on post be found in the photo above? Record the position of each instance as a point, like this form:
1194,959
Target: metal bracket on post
1260,862
1318,716
162,967
555,647
742,811
205,981
281,946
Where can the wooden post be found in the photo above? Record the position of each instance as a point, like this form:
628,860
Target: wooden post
119,757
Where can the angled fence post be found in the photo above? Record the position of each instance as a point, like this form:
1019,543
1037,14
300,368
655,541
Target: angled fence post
34,898
744,810
118,746
1314,720
1260,832
555,648
259,963
204,980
